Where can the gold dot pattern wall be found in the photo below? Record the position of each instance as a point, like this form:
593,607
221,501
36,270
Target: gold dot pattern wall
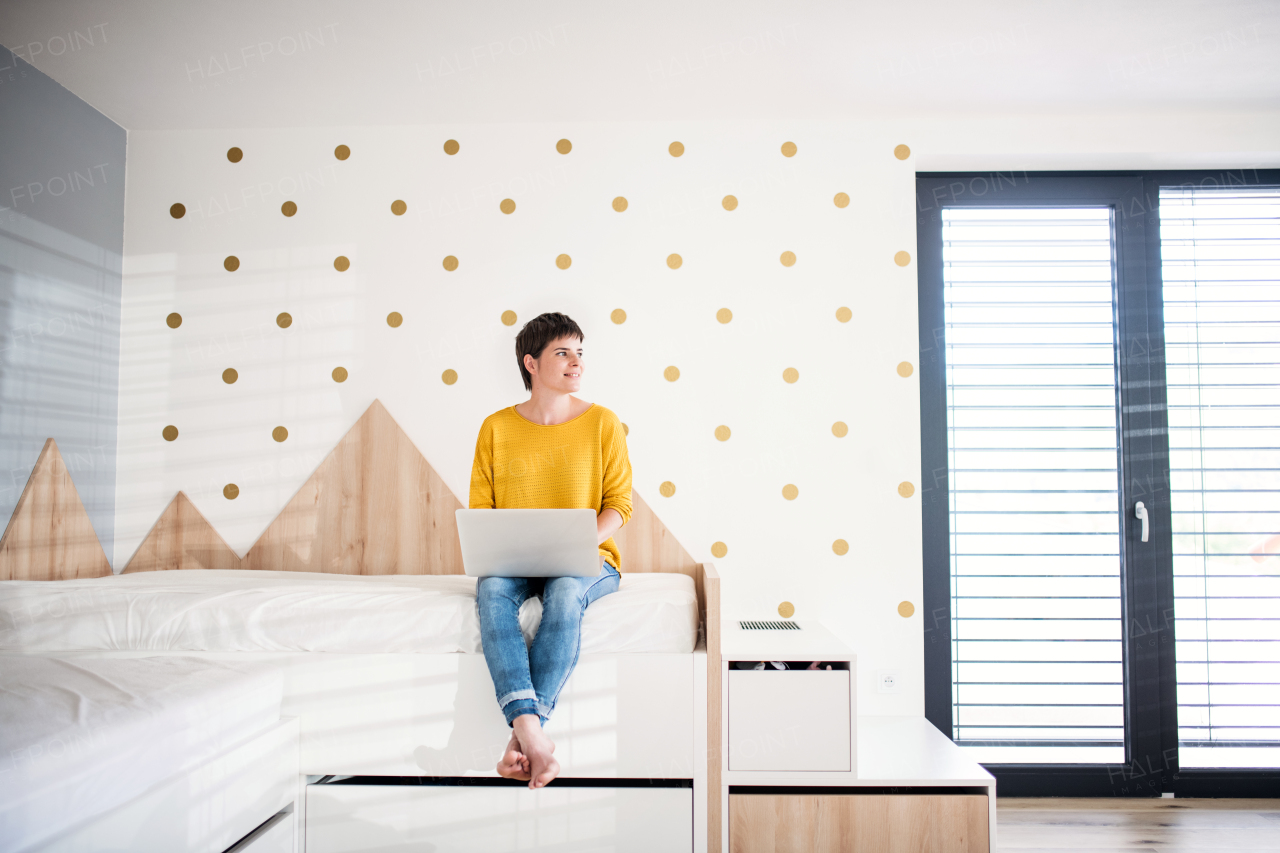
749,346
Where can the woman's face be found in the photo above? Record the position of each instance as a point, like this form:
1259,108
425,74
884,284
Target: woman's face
560,367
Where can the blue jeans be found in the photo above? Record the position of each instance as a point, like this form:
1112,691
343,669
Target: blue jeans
529,680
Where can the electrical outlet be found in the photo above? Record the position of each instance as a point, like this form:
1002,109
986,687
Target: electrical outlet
887,681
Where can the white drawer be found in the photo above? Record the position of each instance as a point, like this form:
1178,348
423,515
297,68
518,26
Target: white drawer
790,720
474,819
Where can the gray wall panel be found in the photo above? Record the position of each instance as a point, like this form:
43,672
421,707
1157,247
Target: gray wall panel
62,170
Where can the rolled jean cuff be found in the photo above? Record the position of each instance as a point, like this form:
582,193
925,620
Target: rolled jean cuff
519,707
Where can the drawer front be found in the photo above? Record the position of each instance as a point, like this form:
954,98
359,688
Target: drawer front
858,823
789,720
277,838
445,819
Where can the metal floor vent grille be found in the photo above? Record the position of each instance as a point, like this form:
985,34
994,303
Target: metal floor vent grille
769,625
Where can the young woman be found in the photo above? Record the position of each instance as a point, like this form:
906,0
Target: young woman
552,451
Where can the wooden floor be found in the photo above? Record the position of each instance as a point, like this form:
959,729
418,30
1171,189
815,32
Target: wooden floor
1106,825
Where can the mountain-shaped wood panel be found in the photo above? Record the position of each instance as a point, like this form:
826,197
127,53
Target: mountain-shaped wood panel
647,545
182,538
50,536
373,507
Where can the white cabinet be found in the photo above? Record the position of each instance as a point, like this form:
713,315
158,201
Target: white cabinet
482,819
790,720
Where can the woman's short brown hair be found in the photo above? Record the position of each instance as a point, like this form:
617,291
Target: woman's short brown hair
538,333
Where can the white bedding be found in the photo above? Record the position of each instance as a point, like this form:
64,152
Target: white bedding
197,610
80,737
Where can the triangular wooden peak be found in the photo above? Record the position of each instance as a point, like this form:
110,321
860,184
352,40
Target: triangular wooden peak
50,536
647,545
182,538
373,507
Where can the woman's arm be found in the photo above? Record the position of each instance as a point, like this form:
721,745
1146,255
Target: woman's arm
607,523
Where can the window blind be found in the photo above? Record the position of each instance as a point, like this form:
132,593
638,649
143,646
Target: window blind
1221,267
1032,442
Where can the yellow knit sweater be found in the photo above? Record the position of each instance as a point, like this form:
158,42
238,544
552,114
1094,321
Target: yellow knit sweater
579,464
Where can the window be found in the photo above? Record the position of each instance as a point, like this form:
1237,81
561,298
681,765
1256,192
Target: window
1100,441
1035,540
1220,252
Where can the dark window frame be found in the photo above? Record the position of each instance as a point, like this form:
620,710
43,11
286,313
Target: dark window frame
1150,676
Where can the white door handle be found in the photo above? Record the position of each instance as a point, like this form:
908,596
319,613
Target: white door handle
1140,511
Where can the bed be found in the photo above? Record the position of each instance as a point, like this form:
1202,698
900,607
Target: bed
386,678
140,753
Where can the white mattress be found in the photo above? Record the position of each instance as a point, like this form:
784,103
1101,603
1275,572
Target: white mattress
80,737
197,610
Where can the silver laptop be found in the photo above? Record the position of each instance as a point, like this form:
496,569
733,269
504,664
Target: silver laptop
529,543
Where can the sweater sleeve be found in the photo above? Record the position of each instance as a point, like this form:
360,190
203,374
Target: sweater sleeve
482,492
616,488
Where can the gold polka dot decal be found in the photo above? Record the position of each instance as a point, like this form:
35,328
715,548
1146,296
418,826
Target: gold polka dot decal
723,433
788,259
790,376
843,314
729,202
449,377
906,609
671,374
620,204
902,258
289,208
507,206
564,146
231,491
341,263
840,547
451,147
790,492
674,261
626,430
788,149
839,429
667,489
178,211
339,374
675,149
563,261
786,610
719,549
450,263
724,315
902,152
906,490
905,369
229,376
508,318
173,321
841,200
394,319
398,207
235,155
284,319
342,152
279,433
170,433
231,263
618,316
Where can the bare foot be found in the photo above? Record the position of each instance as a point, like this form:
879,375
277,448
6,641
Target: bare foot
514,764
538,749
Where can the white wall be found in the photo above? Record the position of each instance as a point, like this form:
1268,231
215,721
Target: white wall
778,550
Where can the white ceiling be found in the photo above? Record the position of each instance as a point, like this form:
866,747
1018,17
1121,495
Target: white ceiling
155,63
